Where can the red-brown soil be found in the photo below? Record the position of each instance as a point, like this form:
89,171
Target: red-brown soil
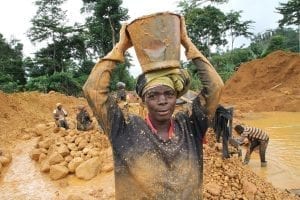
268,84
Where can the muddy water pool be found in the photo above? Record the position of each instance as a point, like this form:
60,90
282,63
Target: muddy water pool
24,181
283,152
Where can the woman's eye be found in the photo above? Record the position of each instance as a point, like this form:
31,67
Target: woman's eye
151,96
170,94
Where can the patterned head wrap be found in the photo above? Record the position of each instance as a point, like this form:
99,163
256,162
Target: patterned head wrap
178,79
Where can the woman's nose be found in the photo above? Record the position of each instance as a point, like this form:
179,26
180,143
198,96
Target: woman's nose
162,99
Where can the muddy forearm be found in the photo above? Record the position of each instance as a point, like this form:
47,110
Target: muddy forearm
96,90
212,85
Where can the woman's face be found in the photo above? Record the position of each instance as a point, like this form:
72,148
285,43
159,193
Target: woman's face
160,101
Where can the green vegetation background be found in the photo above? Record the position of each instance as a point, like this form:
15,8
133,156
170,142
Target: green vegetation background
64,63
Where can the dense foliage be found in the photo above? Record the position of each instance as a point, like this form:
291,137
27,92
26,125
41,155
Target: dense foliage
68,52
59,81
12,74
290,12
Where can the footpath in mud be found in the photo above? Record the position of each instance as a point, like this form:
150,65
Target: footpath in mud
26,123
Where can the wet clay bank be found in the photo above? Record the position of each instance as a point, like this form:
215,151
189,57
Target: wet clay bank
268,84
26,124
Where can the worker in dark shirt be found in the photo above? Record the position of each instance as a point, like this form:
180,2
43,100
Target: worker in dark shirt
121,92
160,157
257,138
84,120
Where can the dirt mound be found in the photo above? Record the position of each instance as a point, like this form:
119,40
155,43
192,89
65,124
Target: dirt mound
19,111
268,84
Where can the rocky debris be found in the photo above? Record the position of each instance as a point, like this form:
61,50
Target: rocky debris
62,152
86,154
229,179
88,169
74,163
58,171
213,189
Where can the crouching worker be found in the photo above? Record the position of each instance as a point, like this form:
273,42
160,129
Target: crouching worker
59,115
257,138
160,157
121,92
84,120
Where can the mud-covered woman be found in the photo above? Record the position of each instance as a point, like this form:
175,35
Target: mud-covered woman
160,157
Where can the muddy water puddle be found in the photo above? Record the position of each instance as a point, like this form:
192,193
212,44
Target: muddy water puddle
283,152
23,181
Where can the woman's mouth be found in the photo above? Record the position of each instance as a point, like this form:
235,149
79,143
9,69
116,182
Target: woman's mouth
163,112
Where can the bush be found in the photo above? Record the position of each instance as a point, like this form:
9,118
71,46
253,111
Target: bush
226,63
62,82
40,83
9,87
276,43
7,84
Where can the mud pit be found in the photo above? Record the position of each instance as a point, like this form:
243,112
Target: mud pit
23,114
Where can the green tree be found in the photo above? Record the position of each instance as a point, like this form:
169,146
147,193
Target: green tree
59,81
285,39
276,43
205,26
189,4
45,64
104,24
7,83
48,26
291,15
290,12
12,74
209,26
65,51
40,83
228,62
78,48
291,40
237,28
103,29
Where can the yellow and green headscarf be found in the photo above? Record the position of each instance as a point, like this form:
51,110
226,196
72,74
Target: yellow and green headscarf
176,78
